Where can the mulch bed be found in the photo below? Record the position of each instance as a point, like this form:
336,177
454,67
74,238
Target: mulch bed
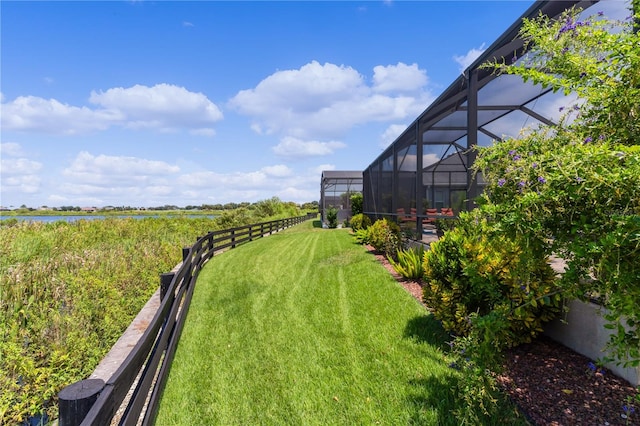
553,385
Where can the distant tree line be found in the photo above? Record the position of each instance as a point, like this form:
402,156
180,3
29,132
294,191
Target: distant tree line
312,205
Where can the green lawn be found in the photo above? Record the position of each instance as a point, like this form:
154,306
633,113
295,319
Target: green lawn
306,328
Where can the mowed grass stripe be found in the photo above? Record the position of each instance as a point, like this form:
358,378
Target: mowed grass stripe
306,328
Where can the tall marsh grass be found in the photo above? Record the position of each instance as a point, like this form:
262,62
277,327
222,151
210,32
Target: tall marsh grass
69,290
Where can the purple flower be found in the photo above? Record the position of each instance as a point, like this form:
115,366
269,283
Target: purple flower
541,179
561,109
592,366
579,180
534,165
512,152
583,74
600,13
522,183
576,107
628,410
501,182
565,50
516,157
588,139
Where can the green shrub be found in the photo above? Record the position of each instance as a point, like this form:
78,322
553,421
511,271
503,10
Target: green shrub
332,217
360,221
356,203
409,263
444,225
384,236
574,184
474,270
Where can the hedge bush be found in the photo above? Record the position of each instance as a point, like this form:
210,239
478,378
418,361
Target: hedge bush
384,236
359,221
474,270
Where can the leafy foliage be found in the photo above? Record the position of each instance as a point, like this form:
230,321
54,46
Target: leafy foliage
474,270
356,203
362,236
409,263
573,190
360,221
384,236
332,217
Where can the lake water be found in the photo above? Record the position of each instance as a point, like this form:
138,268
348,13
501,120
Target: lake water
73,218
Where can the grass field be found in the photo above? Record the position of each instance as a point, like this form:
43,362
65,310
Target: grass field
306,328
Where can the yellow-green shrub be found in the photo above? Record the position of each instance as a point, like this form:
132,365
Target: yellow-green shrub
473,271
359,221
384,236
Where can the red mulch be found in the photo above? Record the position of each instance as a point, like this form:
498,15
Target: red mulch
552,384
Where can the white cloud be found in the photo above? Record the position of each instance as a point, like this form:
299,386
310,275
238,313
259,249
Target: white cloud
31,113
18,174
105,180
259,179
11,149
465,60
163,107
321,168
266,182
300,194
28,184
86,163
19,166
296,148
325,101
391,134
278,170
399,78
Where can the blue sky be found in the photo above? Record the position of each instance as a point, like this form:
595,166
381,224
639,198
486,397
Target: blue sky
150,103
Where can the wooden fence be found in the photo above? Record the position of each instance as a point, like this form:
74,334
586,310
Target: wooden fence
94,401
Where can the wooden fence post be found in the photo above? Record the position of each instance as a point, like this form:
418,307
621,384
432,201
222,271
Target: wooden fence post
75,401
165,281
233,238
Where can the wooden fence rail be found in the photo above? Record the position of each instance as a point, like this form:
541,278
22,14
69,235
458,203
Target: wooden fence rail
94,401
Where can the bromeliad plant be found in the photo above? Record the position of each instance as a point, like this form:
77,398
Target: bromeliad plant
409,263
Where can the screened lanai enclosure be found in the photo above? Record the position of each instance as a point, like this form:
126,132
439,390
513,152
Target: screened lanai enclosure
427,168
335,191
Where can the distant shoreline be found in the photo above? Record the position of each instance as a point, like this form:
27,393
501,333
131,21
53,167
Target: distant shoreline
25,212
